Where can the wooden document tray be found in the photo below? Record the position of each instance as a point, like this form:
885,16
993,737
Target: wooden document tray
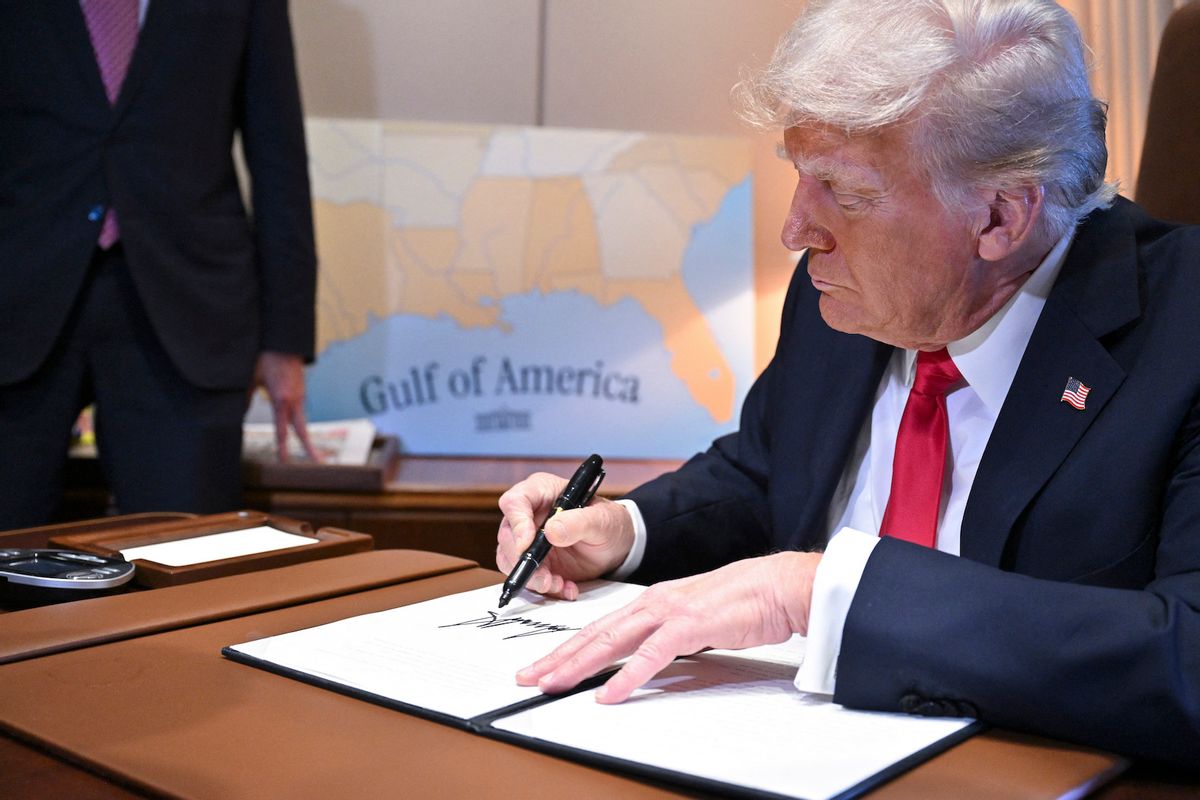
326,542
306,476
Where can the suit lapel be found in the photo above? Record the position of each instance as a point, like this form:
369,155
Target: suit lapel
1096,293
151,39
77,44
854,365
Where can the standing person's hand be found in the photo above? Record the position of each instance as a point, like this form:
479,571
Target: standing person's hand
282,375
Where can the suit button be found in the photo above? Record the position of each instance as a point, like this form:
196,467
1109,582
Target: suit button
931,708
964,708
96,213
913,703
941,708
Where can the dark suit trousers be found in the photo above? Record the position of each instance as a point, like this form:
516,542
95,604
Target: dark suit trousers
165,445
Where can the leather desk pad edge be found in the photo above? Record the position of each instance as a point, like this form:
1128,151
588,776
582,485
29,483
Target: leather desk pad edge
68,626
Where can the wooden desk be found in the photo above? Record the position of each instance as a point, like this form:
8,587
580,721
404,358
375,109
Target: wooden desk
445,504
169,715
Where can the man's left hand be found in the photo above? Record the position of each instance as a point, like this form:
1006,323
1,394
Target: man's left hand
746,603
282,375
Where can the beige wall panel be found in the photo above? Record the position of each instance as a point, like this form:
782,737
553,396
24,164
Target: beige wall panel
443,60
657,65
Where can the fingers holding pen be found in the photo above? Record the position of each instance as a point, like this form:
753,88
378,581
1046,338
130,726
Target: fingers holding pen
506,548
546,581
554,576
525,504
586,542
530,503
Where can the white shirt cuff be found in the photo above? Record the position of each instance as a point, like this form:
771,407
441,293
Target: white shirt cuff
834,585
638,551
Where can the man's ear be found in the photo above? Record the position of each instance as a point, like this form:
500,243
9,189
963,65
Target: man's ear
1012,220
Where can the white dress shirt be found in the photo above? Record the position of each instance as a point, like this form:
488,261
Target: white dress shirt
988,360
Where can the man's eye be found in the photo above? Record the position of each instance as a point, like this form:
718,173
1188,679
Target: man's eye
851,202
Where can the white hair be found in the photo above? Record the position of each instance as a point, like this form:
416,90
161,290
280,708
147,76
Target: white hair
997,91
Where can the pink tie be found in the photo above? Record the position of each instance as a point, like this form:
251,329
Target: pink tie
113,27
920,461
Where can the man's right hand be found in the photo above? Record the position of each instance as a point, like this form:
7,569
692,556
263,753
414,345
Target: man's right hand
588,542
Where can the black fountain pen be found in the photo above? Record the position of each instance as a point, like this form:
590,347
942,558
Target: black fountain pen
580,490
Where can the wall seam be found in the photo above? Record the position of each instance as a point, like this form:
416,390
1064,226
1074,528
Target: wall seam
539,118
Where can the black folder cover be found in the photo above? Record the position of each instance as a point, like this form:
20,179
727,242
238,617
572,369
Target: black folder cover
483,725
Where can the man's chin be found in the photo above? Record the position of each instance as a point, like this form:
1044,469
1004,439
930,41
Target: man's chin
839,317
843,319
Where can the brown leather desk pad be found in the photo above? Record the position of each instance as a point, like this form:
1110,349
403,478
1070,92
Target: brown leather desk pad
50,629
165,713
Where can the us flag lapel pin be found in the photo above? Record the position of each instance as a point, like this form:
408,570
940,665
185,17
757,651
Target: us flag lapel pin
1075,394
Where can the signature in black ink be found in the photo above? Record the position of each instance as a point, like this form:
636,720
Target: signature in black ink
494,620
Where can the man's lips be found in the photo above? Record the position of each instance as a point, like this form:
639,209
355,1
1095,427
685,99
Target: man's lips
819,282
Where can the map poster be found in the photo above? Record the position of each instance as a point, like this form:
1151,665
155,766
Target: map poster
532,291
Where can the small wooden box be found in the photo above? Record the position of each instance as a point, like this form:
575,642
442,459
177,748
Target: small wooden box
306,476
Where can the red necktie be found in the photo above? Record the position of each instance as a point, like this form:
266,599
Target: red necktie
113,27
920,461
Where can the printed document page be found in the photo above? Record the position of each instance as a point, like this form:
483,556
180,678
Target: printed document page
344,442
456,655
735,717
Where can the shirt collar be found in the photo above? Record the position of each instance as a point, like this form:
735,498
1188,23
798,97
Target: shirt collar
988,358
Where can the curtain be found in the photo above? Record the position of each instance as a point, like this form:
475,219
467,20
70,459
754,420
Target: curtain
1123,36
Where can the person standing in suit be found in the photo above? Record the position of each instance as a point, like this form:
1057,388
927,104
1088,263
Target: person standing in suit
971,472
132,275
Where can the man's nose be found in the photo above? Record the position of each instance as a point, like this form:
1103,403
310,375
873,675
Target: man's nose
801,229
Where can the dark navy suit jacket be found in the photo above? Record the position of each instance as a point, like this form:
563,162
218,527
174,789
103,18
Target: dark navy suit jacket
1074,610
218,286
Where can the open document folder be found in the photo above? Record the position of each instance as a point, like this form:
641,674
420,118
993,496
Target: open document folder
723,720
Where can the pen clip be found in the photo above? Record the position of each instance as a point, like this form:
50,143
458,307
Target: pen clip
591,492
